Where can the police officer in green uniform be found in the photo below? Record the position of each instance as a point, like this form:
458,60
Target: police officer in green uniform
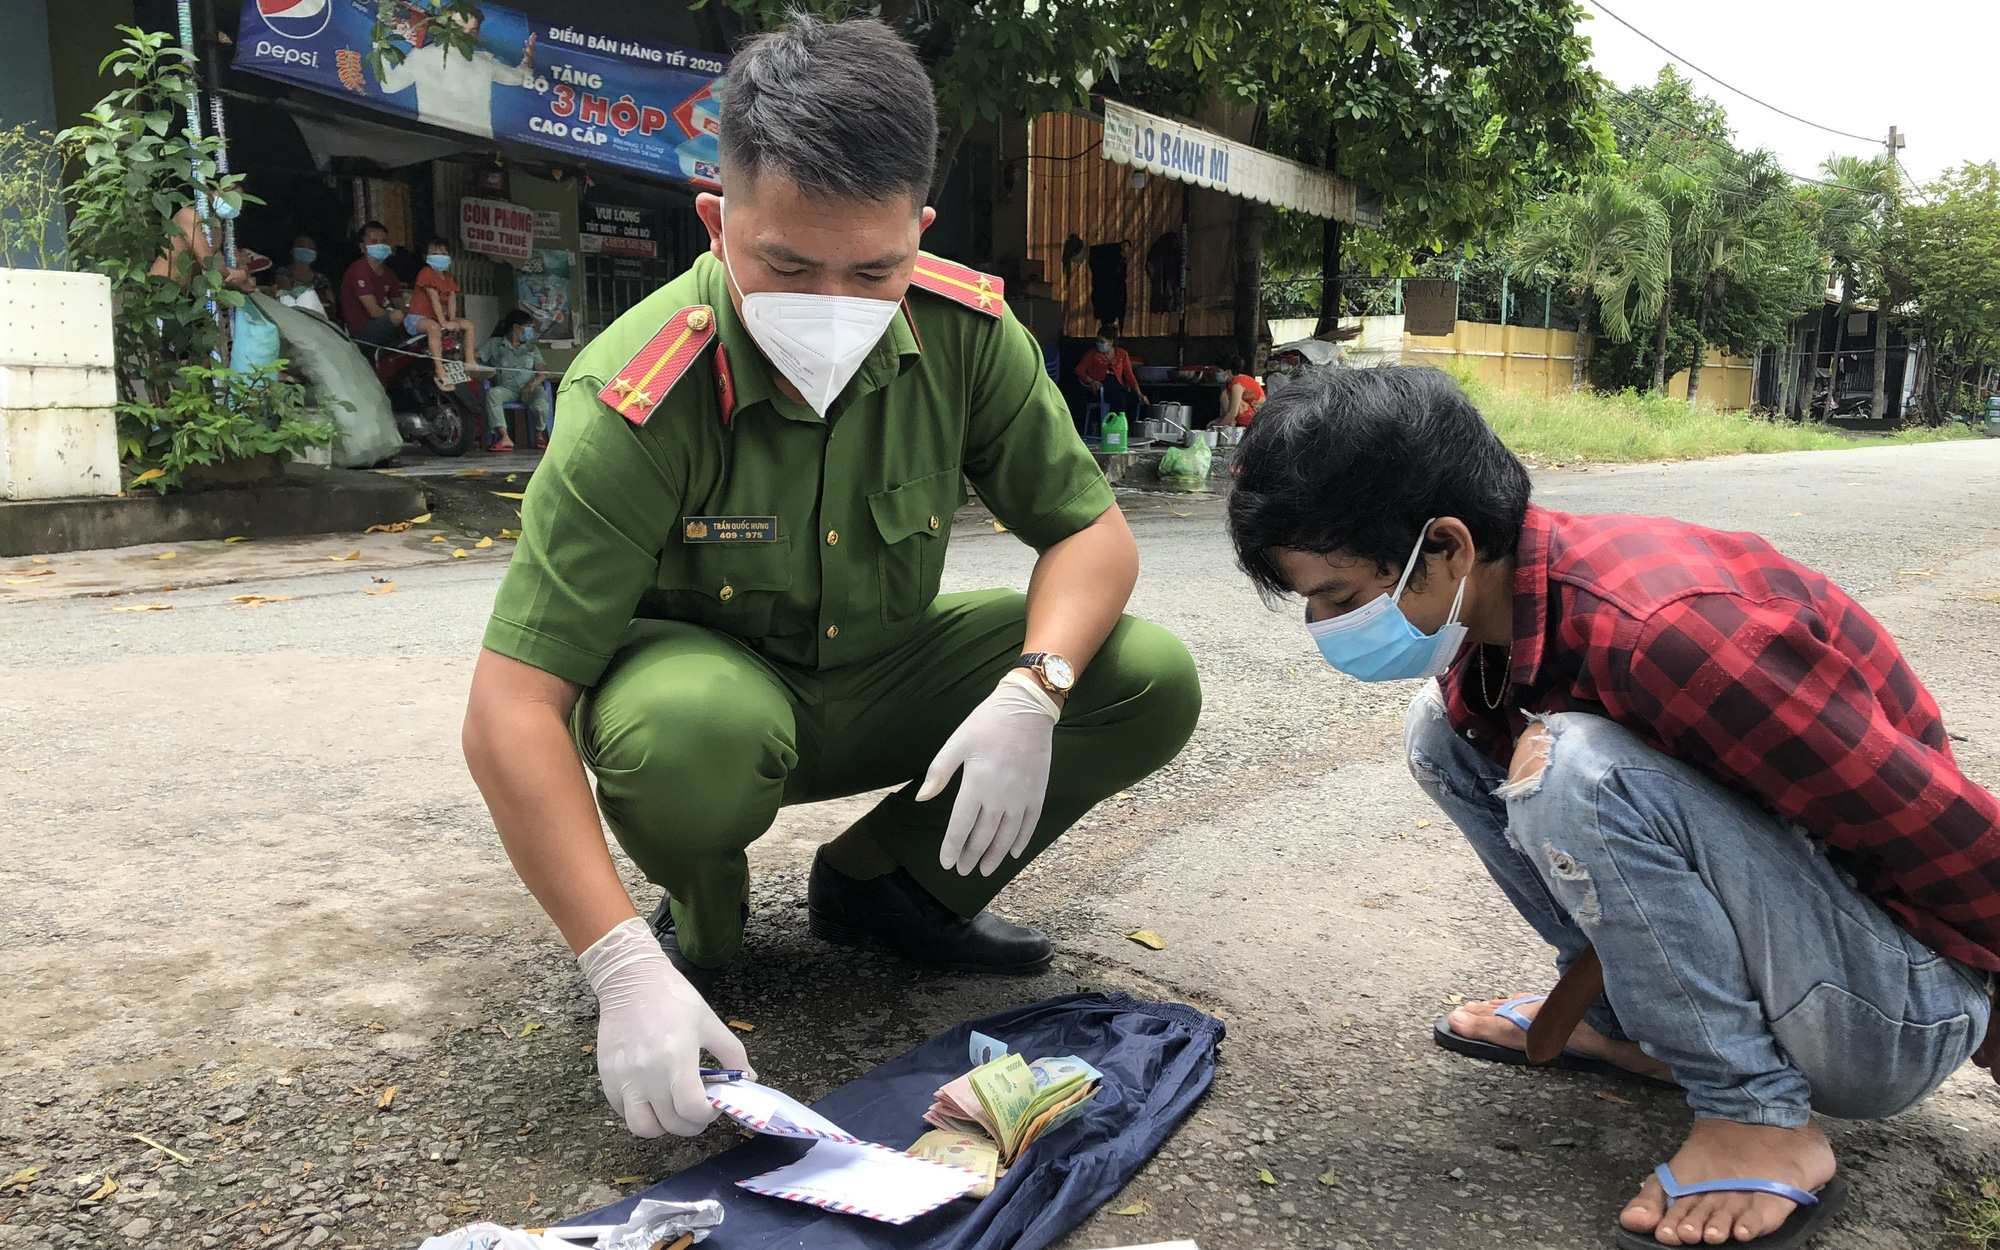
726,594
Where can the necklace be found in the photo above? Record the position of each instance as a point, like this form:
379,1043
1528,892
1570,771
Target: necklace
1493,700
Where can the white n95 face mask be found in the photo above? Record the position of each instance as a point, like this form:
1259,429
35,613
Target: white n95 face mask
817,341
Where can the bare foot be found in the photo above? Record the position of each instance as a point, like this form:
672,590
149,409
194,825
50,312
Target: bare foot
1477,1021
1719,1149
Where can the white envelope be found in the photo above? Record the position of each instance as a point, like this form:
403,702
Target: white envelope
863,1178
762,1109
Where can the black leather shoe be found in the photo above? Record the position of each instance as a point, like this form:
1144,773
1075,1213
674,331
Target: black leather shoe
896,914
662,921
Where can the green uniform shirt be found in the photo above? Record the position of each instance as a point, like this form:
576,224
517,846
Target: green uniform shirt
863,501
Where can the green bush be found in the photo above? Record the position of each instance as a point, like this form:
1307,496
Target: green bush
213,415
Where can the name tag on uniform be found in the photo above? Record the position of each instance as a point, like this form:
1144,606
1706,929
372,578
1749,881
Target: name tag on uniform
729,529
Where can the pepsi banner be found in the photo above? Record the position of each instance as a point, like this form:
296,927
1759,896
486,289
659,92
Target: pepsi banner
647,107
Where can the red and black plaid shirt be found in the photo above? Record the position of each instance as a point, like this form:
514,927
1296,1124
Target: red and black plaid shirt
1721,652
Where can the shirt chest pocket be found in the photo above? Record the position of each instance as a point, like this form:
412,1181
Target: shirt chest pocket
915,522
731,586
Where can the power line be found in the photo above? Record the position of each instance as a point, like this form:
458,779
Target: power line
1630,98
1845,134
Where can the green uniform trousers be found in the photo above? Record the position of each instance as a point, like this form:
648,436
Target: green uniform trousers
696,741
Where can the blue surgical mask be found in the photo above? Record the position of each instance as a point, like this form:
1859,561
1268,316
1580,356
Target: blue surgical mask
1104,347
1376,642
527,334
439,263
378,251
304,255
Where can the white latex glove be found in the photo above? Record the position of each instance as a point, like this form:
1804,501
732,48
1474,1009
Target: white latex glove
1004,747
651,1030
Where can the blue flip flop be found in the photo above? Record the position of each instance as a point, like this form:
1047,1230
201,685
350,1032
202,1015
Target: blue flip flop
1492,1052
1813,1213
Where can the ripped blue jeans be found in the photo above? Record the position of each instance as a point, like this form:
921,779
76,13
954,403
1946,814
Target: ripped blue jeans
1734,951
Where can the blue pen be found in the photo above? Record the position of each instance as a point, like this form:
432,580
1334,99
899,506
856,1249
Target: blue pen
712,1076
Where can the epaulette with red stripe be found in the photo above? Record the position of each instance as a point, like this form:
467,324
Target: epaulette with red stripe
637,389
981,291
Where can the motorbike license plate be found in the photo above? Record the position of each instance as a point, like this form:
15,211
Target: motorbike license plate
454,372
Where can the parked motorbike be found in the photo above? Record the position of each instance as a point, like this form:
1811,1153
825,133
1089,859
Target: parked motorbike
444,421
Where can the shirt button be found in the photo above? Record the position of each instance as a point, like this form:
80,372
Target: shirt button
833,631
728,593
833,538
934,522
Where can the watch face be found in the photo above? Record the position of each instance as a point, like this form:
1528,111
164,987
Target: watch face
1058,671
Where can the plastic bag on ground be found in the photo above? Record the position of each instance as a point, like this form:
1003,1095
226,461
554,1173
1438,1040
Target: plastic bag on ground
1186,468
333,368
493,1237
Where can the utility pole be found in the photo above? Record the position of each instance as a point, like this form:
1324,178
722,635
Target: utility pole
1878,405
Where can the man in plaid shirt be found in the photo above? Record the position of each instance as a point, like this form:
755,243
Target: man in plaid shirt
1699,770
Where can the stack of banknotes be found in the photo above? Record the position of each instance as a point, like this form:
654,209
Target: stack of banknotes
988,1117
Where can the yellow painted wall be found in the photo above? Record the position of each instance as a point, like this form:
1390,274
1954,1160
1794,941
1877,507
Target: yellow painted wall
1528,358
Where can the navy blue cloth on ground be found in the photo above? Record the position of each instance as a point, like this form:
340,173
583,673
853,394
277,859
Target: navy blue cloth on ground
1157,1060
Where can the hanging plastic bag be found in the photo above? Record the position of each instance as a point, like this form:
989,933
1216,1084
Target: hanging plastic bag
253,340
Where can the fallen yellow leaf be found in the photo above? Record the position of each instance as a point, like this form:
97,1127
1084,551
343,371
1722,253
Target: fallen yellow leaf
1608,1096
743,1026
1795,514
1146,937
1454,1000
1916,573
530,1027
508,494
108,1188
458,553
388,1096
999,528
470,473
1423,824
25,1175
150,475
513,477
628,1180
483,543
36,560
143,607
258,601
437,538
27,573
1327,1177
1264,1175
352,555
385,588
513,534
396,528
1992,598
419,520
166,555
1137,1208
236,538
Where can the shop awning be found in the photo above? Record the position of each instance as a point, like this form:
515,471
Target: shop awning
1177,150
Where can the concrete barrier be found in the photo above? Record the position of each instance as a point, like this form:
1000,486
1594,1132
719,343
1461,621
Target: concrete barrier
58,435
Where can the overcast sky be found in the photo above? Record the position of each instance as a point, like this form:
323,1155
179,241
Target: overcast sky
1927,66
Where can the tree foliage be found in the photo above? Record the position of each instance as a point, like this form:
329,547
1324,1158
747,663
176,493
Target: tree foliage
1608,242
1942,251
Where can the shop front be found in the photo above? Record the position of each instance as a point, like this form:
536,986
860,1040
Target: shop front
558,162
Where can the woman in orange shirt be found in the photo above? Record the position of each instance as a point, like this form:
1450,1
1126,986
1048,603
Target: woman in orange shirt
1107,370
1242,395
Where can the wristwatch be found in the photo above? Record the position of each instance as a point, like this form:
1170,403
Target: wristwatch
1050,669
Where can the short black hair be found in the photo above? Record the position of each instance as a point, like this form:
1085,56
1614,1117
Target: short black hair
514,317
842,109
435,244
1233,363
1356,461
366,226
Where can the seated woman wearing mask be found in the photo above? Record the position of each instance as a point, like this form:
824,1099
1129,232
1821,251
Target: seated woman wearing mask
1106,372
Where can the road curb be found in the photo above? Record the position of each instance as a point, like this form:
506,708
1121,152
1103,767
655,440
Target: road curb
311,501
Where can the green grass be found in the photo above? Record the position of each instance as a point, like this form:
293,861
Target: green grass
1978,1216
1600,428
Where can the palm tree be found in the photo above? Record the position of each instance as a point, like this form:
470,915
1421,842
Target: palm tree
1687,202
1753,191
1852,214
1607,242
